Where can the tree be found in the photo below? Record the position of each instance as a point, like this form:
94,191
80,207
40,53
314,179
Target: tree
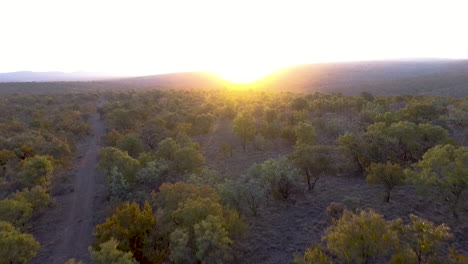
113,157
360,237
244,127
17,212
314,161
154,173
36,170
444,168
153,132
16,247
37,196
203,123
132,144
134,228
421,241
109,253
199,227
313,255
112,137
167,148
118,187
188,160
305,134
277,175
387,174
212,240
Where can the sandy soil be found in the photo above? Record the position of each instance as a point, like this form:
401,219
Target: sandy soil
66,230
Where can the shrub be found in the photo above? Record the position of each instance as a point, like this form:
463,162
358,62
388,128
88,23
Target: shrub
335,211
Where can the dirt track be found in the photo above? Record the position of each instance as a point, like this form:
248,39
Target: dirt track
65,231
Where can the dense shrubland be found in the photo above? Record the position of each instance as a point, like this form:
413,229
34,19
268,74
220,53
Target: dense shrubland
38,137
157,170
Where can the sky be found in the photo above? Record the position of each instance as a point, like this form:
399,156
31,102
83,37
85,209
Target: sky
239,40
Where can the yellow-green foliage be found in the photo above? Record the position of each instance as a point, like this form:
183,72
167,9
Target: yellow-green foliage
135,229
387,174
360,237
16,247
108,253
244,127
36,170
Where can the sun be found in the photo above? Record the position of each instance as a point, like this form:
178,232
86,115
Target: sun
243,74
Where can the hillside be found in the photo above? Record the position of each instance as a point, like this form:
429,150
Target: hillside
29,76
422,77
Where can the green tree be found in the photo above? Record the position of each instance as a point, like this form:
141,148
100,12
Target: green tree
108,253
132,144
212,240
36,170
16,247
37,196
358,238
134,228
17,212
314,161
188,160
153,132
388,174
244,127
305,134
203,123
167,148
444,168
113,157
279,177
421,242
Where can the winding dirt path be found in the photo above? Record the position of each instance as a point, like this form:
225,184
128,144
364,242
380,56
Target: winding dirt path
66,231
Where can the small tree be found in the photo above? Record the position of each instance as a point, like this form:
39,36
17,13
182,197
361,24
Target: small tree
113,157
109,253
36,196
278,176
314,161
422,241
36,170
132,144
444,168
17,212
387,174
212,240
244,127
134,228
16,247
167,148
305,134
188,160
313,255
360,237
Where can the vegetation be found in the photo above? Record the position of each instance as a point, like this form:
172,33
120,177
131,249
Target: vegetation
224,176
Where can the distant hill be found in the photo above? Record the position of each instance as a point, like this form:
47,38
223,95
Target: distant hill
435,77
29,76
180,80
420,77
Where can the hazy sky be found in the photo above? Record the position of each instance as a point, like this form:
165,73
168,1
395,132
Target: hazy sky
238,39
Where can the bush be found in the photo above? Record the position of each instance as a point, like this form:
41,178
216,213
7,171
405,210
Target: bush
16,247
335,211
360,237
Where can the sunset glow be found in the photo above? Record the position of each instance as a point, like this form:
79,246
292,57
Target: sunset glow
240,41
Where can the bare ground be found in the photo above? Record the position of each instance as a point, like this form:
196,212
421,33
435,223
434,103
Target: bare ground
66,230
